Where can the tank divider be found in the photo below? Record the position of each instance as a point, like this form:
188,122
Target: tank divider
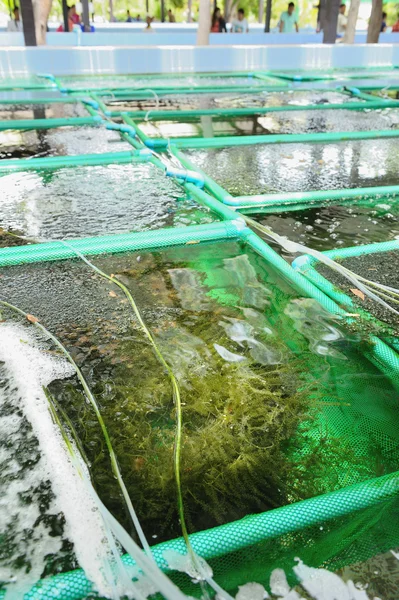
357,93
28,124
126,242
146,92
302,198
83,160
285,138
239,535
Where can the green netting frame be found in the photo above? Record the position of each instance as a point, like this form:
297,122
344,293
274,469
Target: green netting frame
307,266
279,202
367,504
284,138
243,535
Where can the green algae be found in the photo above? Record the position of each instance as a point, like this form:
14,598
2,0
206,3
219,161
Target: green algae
244,425
257,434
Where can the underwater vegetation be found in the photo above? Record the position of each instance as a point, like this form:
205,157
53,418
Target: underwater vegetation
251,437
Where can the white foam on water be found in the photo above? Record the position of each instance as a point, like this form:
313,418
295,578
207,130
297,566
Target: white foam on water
324,585
251,591
184,564
29,369
278,583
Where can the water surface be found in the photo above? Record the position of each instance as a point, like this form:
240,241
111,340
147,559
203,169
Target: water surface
62,141
87,201
53,110
277,168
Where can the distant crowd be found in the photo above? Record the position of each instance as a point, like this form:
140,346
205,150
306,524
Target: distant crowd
288,22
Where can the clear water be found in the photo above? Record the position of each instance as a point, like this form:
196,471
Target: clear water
220,100
88,201
63,141
274,123
42,111
327,227
277,168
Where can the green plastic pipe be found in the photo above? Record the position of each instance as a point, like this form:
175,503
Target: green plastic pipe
239,535
30,101
285,138
306,76
164,115
210,185
392,87
139,132
109,244
29,124
218,207
357,93
56,162
101,104
279,199
134,93
342,253
21,86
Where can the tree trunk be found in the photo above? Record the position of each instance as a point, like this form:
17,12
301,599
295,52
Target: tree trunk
86,15
204,23
321,22
268,15
260,11
330,27
373,32
226,10
35,13
111,11
190,8
349,36
28,22
65,15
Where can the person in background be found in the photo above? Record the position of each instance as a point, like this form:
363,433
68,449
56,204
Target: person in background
73,15
240,24
384,22
129,19
15,24
342,21
288,20
137,19
395,28
70,22
218,24
171,17
148,20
